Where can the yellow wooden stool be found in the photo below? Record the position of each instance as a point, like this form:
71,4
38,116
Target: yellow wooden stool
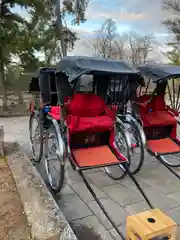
150,225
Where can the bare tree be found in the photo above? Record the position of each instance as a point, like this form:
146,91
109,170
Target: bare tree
104,40
119,47
108,43
99,45
139,47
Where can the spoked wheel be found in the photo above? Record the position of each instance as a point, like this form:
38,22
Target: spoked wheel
137,146
54,158
36,137
118,172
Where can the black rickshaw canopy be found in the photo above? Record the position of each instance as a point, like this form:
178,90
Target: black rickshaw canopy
72,66
159,72
117,78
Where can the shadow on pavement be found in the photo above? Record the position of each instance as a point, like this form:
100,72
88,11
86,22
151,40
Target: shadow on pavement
82,232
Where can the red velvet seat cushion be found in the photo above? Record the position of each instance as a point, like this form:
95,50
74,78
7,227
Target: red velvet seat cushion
89,124
158,118
86,112
86,105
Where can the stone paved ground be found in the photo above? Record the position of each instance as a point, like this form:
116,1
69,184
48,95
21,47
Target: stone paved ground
119,198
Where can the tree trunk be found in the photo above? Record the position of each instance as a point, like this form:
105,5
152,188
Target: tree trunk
20,97
60,27
3,86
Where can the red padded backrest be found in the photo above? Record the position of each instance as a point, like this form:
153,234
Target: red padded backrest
156,104
160,103
86,105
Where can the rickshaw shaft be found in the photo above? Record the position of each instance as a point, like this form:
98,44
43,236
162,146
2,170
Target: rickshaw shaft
100,204
102,207
168,167
140,189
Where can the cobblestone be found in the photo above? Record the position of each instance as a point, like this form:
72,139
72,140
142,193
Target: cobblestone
117,213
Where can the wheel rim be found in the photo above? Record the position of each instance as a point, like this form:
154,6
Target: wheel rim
136,148
118,171
52,159
35,138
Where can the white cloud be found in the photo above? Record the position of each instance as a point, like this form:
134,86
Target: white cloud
115,14
82,48
144,17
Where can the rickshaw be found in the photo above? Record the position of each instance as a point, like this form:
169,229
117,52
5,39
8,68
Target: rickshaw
82,124
157,107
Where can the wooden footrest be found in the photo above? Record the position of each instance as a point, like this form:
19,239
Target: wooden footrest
163,146
94,156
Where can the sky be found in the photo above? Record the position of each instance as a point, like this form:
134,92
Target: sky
141,16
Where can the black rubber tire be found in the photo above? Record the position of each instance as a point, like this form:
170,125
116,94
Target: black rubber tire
60,184
141,145
34,115
125,165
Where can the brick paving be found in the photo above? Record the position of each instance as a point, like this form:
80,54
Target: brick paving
119,198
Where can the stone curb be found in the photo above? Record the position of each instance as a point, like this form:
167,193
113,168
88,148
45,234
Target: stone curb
1,141
45,218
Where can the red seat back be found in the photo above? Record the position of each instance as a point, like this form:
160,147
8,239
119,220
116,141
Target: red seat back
156,104
86,105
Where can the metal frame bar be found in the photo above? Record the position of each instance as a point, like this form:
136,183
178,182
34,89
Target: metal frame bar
160,154
173,88
167,166
100,204
140,189
177,100
147,86
161,159
170,97
102,207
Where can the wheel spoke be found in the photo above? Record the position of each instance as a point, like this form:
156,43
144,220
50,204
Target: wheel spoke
54,169
137,147
36,139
